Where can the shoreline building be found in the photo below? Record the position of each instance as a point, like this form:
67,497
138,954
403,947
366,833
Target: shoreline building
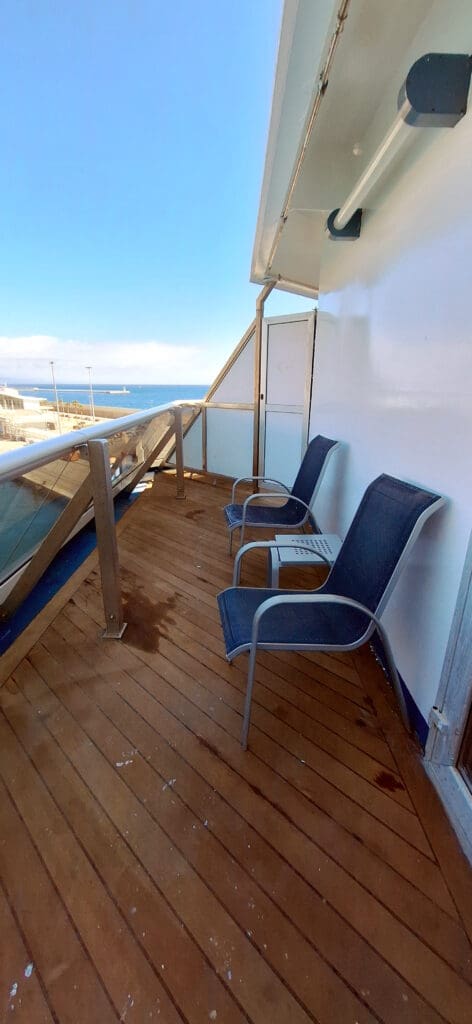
23,418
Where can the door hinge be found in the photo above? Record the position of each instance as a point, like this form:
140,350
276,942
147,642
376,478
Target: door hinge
438,720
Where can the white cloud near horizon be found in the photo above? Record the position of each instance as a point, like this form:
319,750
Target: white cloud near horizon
27,360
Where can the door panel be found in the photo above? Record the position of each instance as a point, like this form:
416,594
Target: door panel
284,432
287,365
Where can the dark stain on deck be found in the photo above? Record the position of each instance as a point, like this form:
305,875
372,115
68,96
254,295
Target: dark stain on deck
146,620
194,512
208,746
388,781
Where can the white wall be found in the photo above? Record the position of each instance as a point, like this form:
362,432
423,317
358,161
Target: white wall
193,455
238,385
393,379
229,431
229,441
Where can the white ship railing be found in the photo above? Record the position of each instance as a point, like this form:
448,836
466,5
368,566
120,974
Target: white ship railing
48,489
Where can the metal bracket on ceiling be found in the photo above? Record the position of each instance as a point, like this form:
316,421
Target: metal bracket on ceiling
349,232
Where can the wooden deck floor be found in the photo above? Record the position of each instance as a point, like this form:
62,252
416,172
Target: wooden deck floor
152,871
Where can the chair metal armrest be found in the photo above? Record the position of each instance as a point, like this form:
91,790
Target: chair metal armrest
269,544
244,479
273,494
310,598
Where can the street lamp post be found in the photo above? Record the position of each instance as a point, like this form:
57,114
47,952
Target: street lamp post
92,406
59,425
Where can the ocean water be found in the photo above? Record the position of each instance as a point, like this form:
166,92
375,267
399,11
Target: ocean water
140,396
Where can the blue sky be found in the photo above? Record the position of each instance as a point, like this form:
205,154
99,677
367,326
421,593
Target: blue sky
133,139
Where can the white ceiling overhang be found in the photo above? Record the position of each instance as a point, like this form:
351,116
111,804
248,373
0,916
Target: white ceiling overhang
319,144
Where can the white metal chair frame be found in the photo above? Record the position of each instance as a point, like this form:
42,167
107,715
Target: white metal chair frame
308,597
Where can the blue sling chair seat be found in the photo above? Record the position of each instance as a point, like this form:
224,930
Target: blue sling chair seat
345,611
296,511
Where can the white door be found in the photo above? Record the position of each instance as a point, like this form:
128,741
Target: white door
286,377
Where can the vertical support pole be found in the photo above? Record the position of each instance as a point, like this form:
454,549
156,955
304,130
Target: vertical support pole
257,374
179,453
106,538
204,439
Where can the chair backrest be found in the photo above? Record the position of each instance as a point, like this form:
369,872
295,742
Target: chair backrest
386,524
313,465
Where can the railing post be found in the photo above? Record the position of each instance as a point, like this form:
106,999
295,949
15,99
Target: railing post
204,439
106,539
179,453
263,295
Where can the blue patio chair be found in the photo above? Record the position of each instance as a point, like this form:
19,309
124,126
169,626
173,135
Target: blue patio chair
297,509
345,611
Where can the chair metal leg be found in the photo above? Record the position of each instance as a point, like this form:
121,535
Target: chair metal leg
248,701
230,541
273,568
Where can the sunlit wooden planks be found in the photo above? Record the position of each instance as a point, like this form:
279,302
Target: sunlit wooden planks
294,882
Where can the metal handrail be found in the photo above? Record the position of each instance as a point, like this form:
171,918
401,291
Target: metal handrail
18,461
98,488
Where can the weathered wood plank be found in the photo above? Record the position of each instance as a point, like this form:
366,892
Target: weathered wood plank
73,987
289,882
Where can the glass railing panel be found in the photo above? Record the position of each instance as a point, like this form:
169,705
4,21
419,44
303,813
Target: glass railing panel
130,448
31,503
32,496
